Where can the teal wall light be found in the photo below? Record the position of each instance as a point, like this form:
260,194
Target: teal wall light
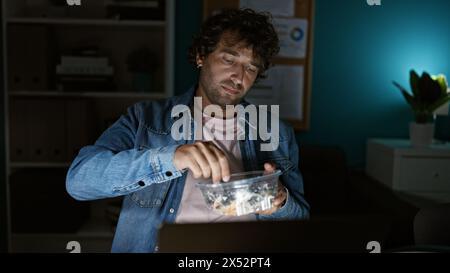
358,51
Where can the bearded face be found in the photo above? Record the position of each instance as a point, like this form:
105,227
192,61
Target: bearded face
227,73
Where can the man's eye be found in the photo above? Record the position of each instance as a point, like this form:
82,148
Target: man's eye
252,70
228,60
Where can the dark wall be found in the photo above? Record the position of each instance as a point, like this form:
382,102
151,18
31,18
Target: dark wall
3,197
358,51
187,23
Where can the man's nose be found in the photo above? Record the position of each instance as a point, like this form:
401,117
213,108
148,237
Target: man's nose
238,76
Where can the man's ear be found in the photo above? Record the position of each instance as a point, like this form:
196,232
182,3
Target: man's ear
199,60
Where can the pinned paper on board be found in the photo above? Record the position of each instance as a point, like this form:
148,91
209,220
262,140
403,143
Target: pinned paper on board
293,35
284,8
284,87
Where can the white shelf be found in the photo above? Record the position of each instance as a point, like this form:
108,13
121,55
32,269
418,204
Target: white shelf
39,165
84,22
87,94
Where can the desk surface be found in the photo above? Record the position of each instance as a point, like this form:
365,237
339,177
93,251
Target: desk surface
338,235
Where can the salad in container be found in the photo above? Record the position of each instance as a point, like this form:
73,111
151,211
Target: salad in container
244,193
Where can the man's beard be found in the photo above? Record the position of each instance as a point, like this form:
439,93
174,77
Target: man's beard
216,95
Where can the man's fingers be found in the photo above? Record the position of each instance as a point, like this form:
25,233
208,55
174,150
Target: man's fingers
224,165
269,168
268,211
194,167
203,159
279,199
213,161
202,162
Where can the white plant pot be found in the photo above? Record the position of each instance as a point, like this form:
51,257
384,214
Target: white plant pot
421,134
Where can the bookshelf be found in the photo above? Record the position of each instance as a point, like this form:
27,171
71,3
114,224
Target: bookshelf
49,119
87,94
86,22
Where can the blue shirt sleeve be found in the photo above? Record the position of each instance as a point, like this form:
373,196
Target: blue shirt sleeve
113,166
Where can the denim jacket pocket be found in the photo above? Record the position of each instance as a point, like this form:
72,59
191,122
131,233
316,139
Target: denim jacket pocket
151,196
150,138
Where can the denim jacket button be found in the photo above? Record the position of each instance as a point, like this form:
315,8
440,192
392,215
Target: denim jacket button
168,173
171,210
141,183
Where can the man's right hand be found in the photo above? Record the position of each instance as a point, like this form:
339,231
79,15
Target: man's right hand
204,159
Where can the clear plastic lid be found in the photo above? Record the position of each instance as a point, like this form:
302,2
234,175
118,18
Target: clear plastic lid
242,179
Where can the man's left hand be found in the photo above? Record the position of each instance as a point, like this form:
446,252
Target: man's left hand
280,199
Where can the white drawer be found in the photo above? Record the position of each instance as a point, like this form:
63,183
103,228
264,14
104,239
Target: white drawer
424,174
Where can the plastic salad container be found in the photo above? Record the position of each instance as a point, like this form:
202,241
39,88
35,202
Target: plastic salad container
244,193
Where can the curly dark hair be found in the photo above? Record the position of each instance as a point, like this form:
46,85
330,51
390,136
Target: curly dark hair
255,29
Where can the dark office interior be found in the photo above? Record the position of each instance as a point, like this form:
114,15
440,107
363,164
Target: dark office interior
70,71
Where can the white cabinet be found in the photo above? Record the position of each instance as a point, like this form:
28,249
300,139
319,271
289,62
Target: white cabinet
421,172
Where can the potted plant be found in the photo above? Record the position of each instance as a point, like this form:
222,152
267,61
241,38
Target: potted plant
142,63
428,94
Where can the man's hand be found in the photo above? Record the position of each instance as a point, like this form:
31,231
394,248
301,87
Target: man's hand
204,159
279,200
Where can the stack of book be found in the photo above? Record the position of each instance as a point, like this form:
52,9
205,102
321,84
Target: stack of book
84,73
135,9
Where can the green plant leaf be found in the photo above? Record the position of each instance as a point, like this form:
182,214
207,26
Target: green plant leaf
408,97
430,91
439,103
414,82
399,86
442,81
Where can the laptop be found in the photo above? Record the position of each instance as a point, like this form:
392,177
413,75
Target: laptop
310,236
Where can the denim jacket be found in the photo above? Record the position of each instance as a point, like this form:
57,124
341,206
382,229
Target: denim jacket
134,158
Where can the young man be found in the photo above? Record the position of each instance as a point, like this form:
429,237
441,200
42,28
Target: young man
139,158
